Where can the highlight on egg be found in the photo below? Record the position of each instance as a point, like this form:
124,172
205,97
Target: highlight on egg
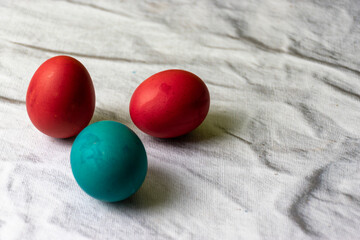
60,99
170,103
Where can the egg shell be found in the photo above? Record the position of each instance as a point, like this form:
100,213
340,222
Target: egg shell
108,161
170,103
60,99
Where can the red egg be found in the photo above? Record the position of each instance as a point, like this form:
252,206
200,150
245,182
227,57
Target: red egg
170,103
60,99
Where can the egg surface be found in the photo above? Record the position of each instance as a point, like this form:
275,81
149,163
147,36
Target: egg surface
60,99
108,161
170,103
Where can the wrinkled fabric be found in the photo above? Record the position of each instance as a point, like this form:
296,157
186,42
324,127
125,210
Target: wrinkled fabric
278,156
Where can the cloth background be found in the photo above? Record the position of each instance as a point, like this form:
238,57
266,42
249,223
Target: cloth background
278,156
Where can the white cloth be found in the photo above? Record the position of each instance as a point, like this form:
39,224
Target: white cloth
278,156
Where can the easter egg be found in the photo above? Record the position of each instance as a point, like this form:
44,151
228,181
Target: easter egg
170,103
60,99
108,161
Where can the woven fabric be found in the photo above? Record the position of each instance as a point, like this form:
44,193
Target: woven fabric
276,158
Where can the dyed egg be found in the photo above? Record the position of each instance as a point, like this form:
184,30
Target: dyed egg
108,161
60,99
170,103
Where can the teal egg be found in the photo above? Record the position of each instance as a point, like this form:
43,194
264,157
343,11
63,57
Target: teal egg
108,161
